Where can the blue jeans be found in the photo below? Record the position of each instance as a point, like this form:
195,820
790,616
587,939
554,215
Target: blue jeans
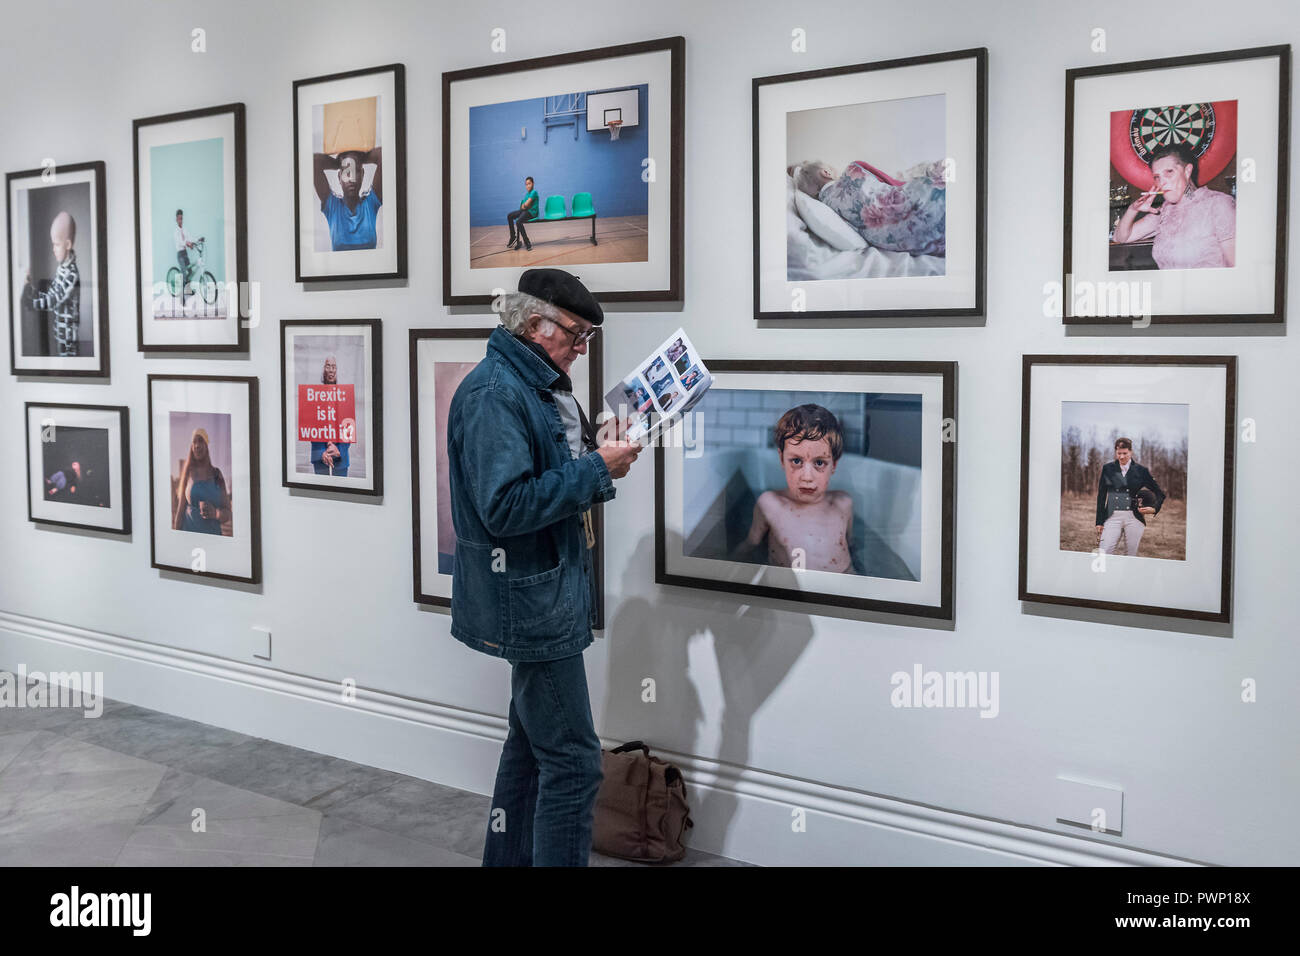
550,769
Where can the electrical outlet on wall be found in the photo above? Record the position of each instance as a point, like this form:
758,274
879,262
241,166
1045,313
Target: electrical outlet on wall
1096,806
261,643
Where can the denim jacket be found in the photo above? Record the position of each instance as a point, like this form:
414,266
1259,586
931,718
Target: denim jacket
522,586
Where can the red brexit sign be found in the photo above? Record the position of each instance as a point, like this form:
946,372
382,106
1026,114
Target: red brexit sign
327,413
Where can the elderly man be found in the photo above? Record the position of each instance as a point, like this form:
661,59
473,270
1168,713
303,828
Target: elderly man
525,469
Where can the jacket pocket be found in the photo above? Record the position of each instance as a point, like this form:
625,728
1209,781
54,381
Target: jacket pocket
541,605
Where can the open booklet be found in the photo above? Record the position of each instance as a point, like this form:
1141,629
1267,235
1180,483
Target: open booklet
662,388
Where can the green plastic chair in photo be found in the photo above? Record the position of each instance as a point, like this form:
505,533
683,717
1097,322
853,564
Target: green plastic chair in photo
582,206
554,208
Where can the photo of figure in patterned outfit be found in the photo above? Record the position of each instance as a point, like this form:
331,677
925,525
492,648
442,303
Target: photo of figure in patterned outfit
867,176
56,298
62,295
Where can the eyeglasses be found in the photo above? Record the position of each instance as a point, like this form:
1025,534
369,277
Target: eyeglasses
578,337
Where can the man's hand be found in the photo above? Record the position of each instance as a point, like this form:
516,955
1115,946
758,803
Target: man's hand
206,510
1099,530
1147,510
617,453
619,456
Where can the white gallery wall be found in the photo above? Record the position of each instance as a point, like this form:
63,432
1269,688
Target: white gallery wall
768,707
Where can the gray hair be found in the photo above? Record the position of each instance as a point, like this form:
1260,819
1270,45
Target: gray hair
516,307
807,176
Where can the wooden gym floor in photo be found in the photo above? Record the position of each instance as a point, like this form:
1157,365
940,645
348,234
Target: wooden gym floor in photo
568,242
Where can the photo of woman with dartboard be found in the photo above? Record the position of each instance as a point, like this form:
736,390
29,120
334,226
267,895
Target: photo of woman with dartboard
1173,187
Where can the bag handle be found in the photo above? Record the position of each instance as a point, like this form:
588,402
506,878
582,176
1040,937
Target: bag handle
628,747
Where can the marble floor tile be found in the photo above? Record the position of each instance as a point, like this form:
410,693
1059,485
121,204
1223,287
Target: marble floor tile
153,735
428,812
345,842
299,776
236,827
65,802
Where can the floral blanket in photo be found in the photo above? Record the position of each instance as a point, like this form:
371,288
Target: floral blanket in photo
903,215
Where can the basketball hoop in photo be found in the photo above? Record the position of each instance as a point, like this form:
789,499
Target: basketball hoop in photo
613,127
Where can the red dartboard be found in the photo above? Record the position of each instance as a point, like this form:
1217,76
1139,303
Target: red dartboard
1209,129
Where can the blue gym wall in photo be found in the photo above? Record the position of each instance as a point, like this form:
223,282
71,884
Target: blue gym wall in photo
560,165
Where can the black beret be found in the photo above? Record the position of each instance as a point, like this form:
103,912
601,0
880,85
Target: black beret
560,288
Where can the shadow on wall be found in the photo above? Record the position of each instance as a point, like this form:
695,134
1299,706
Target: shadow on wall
753,648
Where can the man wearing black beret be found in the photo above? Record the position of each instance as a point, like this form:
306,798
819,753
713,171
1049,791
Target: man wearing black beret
525,468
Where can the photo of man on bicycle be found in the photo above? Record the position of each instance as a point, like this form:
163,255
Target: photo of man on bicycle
183,243
189,276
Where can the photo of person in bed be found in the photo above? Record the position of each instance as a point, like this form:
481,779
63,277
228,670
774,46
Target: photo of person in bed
805,525
903,213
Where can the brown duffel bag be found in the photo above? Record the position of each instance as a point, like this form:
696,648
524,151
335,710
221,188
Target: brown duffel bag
641,812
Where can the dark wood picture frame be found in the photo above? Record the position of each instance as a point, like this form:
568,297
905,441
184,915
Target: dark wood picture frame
676,46
398,189
124,479
1073,76
100,281
1229,364
944,610
976,309
254,480
240,227
594,400
376,328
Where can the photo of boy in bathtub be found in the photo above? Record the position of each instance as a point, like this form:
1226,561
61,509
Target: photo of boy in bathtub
803,491
804,524
867,190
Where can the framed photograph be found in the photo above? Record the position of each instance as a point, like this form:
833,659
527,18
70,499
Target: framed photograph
440,360
203,476
58,271
573,161
869,185
349,175
827,483
1126,469
191,244
331,405
1191,155
79,466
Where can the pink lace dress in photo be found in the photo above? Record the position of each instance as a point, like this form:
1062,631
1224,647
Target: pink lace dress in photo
1188,232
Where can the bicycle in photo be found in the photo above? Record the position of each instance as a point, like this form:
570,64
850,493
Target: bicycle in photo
194,276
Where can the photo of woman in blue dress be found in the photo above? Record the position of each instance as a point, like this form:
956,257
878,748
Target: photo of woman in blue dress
201,502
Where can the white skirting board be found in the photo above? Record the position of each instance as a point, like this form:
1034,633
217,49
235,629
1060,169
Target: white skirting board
742,813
